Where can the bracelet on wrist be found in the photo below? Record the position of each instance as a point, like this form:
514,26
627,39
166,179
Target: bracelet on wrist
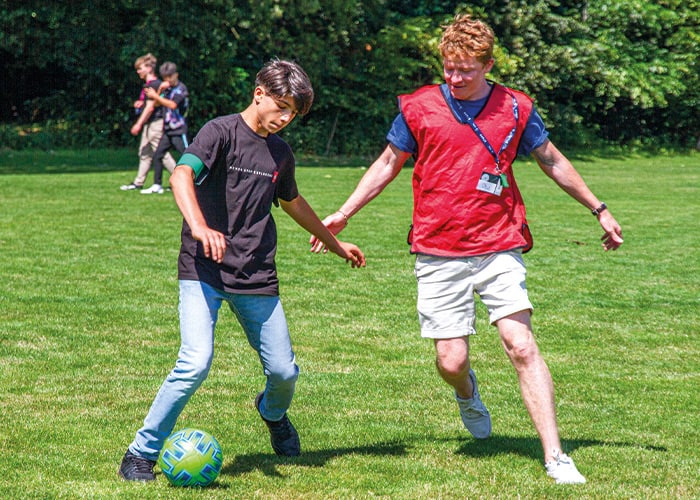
344,216
598,210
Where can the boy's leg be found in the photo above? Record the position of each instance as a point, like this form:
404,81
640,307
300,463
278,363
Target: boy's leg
199,306
169,162
179,142
263,320
161,150
145,156
265,325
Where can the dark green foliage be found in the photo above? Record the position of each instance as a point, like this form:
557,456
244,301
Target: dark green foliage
617,71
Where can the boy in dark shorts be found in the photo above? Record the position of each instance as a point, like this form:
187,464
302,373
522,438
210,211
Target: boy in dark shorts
225,185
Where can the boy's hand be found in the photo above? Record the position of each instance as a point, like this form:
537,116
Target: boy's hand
135,130
351,253
213,243
150,93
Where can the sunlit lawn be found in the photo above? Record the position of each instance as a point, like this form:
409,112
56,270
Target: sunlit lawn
88,330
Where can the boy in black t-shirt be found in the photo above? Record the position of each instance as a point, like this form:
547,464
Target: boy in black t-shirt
173,99
225,185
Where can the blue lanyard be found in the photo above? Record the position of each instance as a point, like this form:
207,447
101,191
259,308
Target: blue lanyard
470,121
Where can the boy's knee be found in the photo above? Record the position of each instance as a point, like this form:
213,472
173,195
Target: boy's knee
286,374
193,367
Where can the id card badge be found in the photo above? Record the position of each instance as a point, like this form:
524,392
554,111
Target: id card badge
490,183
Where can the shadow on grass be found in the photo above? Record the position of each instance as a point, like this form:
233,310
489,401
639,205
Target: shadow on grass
76,161
531,447
267,462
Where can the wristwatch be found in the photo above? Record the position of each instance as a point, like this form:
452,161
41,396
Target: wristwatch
598,210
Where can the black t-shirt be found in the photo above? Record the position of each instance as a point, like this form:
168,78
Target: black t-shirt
244,175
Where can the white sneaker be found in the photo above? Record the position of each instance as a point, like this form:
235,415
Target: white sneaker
154,189
475,416
563,470
130,187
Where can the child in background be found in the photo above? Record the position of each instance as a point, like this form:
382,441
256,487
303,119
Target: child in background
173,98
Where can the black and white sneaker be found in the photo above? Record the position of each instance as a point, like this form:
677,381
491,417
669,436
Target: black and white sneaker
135,468
130,187
283,436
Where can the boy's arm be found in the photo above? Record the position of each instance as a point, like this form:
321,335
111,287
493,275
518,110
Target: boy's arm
159,100
182,184
143,117
302,213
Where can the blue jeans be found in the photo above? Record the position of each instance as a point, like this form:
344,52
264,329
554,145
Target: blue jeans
265,325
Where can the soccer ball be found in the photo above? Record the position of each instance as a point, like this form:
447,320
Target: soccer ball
191,457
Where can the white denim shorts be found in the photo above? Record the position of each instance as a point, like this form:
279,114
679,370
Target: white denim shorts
446,289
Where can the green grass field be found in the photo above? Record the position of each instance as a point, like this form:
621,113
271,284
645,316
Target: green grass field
89,329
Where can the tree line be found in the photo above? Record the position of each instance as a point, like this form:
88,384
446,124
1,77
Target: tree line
601,71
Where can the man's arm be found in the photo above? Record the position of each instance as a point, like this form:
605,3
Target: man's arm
562,172
182,184
302,213
382,171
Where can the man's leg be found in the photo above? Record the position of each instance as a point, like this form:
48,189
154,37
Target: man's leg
537,390
446,313
535,380
452,362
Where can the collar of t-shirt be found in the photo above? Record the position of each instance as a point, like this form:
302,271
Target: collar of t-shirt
464,108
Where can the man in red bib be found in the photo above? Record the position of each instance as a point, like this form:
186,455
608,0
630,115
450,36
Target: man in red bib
469,225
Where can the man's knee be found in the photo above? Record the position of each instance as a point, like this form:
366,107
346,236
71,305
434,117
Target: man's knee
451,364
522,350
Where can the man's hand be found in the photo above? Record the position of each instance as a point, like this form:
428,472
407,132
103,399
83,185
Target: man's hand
335,223
612,239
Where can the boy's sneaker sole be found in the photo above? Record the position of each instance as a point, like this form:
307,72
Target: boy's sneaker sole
155,189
